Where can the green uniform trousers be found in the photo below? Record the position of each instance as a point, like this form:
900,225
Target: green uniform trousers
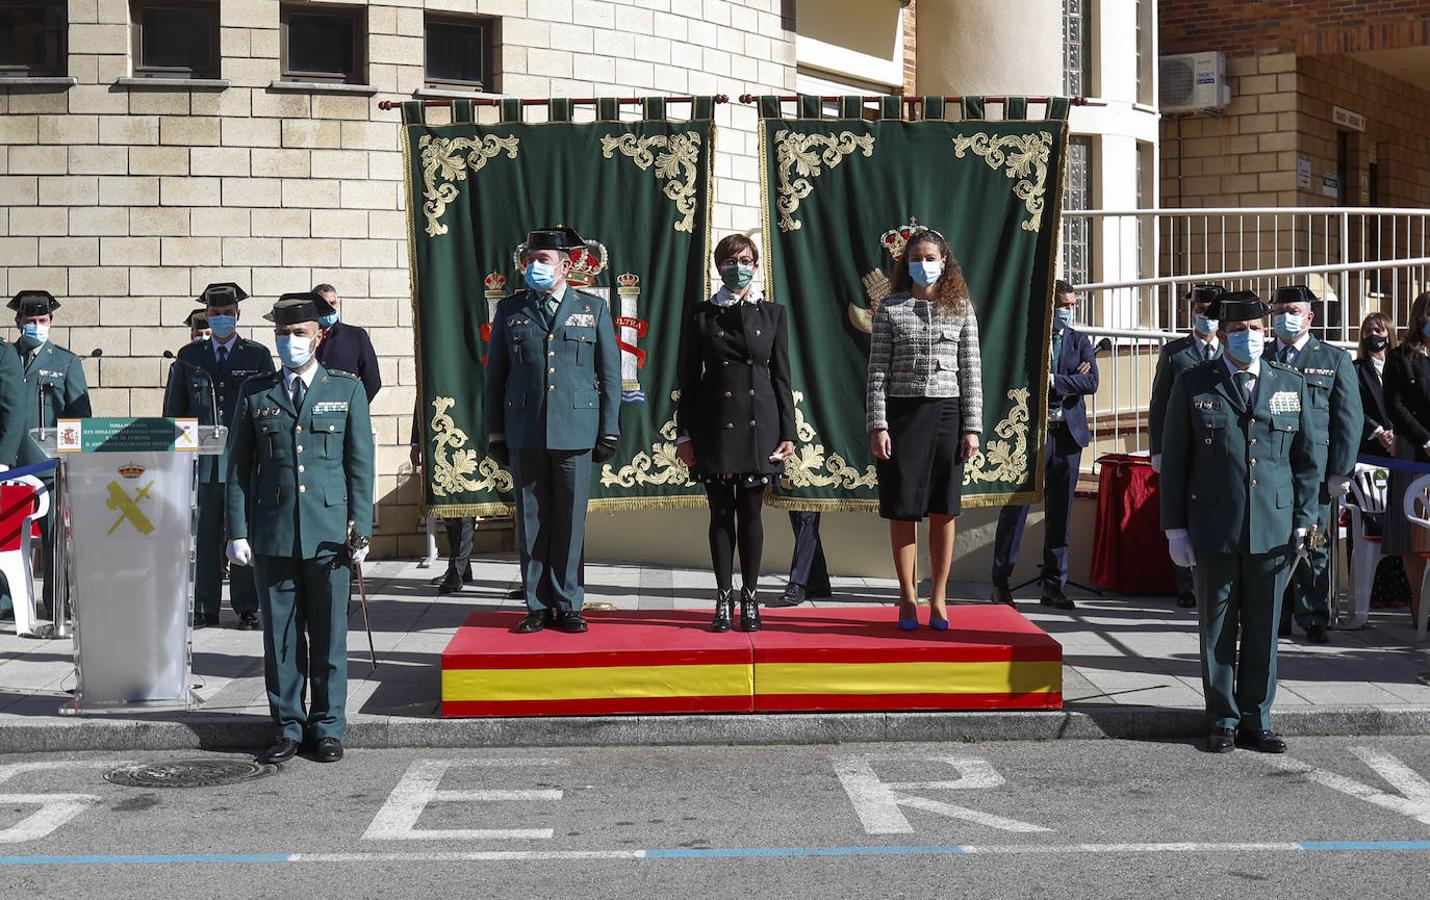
1239,602
305,638
553,488
208,559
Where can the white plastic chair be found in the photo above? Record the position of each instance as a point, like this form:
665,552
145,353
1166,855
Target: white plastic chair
1368,489
1417,510
15,555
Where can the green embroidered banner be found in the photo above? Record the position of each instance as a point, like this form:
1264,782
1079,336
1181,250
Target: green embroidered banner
638,192
840,196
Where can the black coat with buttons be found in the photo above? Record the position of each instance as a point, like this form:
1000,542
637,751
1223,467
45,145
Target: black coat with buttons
1407,398
735,400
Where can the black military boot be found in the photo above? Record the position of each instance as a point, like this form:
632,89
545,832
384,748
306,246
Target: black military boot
749,610
724,611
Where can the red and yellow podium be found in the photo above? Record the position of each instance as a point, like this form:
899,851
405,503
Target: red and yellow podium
805,660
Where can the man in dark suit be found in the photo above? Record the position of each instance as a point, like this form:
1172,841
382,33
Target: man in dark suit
461,531
1074,376
345,347
808,572
552,407
1177,357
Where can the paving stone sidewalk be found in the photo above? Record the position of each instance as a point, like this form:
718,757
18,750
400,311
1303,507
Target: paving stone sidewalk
1130,668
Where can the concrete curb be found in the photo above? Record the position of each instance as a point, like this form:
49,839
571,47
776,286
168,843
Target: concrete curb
1082,722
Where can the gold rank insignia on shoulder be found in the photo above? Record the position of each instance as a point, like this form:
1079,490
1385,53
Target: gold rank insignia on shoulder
1206,404
1285,402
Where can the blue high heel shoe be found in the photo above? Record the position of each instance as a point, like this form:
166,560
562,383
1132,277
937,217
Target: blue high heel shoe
909,624
938,624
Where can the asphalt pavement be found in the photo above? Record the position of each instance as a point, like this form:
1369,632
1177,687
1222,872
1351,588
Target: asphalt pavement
1335,817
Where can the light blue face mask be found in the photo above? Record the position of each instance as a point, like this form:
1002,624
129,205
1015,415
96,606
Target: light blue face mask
329,320
737,277
540,276
1062,318
1244,347
34,333
1289,325
925,273
294,350
223,326
1205,327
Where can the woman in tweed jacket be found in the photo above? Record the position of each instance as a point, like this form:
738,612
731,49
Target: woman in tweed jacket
924,411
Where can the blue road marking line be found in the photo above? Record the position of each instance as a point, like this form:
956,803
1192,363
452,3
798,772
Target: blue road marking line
1364,845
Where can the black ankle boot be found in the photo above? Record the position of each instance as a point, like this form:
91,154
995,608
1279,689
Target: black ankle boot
749,610
724,611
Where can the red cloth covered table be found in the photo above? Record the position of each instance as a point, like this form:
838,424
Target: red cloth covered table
1129,551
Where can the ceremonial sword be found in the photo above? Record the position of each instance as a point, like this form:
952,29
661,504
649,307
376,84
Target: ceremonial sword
1314,540
357,542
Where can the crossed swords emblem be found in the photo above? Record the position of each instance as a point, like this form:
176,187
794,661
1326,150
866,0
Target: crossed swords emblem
129,507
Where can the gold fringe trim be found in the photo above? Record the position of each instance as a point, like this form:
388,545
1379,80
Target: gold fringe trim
822,504
638,504
463,510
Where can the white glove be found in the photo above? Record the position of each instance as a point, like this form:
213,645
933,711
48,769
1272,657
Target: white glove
1299,542
239,553
1179,545
4,468
1338,485
360,554
1157,463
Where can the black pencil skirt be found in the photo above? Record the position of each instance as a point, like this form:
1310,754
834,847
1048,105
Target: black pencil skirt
924,474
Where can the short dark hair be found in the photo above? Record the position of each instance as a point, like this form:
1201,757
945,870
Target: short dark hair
1061,287
732,244
324,289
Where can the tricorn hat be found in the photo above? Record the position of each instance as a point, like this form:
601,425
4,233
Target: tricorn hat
1293,293
34,303
303,306
1205,293
196,319
1238,306
558,237
222,294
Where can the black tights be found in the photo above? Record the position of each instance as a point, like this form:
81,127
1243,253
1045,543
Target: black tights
729,503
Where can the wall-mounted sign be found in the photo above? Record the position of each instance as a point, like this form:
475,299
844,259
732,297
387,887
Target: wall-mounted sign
1303,174
1330,184
1344,118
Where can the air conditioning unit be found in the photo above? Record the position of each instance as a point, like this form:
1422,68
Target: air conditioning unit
1193,82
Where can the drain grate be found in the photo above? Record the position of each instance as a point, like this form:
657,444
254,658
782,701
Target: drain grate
188,773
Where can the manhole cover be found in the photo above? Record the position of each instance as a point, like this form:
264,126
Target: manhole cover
186,773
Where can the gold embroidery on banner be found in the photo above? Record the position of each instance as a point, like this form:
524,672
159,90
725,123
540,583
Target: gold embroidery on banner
442,158
450,475
661,465
677,165
812,467
1026,158
1005,460
801,152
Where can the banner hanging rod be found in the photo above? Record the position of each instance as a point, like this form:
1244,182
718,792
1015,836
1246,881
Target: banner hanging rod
575,101
912,101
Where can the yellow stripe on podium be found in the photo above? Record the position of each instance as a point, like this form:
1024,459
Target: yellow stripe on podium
909,678
597,682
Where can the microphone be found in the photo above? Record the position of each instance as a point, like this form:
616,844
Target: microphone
213,394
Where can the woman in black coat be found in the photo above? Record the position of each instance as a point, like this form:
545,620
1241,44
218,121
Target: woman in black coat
1377,339
1407,398
736,419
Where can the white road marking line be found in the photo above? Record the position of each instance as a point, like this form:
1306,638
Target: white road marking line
1387,766
877,802
397,819
54,809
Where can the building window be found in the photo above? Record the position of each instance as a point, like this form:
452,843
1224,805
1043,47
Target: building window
175,39
32,39
1077,48
1077,230
1142,10
459,51
323,43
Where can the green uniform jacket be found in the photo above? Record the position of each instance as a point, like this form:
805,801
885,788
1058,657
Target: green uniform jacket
554,387
304,473
1337,416
189,394
1239,481
58,373
1176,357
12,399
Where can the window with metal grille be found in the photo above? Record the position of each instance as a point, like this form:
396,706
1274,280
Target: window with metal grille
1077,233
1077,48
459,51
323,43
32,38
175,38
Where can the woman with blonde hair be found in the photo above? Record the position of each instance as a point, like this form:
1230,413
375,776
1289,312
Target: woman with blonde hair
924,411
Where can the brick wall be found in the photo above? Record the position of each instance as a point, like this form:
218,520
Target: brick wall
1299,26
911,48
124,203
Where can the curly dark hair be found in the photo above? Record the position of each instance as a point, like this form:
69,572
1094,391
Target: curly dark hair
950,291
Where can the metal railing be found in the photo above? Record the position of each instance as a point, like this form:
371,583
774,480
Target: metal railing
1357,260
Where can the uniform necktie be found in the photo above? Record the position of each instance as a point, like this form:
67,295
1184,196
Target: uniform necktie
299,389
1243,382
1206,352
222,356
1288,354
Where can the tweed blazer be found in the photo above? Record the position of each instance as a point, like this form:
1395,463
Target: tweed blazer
917,350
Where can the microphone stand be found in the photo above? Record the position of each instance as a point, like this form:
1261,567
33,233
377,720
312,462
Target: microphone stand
213,394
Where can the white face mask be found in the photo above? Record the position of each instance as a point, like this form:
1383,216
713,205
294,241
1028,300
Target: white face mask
294,350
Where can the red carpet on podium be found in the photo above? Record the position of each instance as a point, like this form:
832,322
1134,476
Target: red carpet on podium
805,660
